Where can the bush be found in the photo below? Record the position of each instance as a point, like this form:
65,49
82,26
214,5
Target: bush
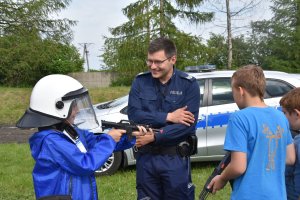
26,59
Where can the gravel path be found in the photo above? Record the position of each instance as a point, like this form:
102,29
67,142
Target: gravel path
15,135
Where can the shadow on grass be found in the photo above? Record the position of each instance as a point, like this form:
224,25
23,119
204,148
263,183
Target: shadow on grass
194,165
204,164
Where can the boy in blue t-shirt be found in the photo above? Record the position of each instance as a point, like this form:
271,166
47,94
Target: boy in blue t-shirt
291,108
259,140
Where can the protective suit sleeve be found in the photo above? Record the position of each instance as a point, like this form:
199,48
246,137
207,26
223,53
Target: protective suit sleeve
67,155
125,143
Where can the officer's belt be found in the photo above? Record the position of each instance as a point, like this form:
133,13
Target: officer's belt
163,150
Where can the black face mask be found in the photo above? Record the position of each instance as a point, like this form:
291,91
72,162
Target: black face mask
69,128
64,126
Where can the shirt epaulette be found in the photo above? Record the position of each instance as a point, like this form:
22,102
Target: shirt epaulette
187,76
143,73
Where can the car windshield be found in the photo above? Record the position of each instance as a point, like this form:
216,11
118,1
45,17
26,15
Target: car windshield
113,103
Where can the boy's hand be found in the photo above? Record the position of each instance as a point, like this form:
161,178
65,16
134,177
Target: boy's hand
116,134
217,183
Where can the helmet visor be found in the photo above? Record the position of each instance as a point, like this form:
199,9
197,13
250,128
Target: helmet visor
82,113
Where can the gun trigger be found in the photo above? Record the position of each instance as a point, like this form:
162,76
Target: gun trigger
135,148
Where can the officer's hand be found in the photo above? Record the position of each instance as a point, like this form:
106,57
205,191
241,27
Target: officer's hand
217,183
142,131
116,134
146,139
181,116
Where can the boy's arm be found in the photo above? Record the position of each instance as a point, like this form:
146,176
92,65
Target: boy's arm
235,168
290,154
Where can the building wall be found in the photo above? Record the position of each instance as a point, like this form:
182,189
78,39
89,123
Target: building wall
94,79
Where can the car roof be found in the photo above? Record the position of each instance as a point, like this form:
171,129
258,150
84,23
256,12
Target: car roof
228,73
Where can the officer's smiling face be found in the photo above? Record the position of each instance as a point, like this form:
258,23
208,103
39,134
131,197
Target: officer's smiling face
160,65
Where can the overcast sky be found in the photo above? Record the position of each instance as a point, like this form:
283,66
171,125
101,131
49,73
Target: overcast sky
96,16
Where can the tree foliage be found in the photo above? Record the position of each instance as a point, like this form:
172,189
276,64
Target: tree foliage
26,59
28,15
33,44
126,50
277,41
218,55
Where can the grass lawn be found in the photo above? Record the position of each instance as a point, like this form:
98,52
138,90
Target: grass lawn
14,101
16,165
16,162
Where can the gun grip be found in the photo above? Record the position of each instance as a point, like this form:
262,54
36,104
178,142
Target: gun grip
129,133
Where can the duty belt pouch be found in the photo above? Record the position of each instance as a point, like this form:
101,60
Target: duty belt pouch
188,147
193,141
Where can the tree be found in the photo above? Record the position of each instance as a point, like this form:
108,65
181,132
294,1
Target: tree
148,19
277,40
217,51
233,11
32,44
24,60
30,15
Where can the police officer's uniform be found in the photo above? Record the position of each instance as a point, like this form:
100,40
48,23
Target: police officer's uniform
161,172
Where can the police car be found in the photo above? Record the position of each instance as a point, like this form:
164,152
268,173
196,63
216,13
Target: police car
216,105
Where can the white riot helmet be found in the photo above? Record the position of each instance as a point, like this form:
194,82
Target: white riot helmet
52,100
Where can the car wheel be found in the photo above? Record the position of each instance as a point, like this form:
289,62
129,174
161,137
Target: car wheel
111,165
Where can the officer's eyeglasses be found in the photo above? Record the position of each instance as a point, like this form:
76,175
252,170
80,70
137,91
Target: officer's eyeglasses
156,62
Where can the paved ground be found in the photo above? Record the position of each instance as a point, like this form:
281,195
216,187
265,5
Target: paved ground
14,134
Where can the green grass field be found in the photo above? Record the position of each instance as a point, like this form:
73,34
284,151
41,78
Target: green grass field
16,165
16,162
14,101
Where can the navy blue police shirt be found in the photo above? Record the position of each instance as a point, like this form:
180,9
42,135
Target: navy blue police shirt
150,101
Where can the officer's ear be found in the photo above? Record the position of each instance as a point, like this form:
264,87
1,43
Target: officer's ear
173,59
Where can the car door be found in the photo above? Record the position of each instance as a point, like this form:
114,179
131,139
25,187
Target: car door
201,123
220,106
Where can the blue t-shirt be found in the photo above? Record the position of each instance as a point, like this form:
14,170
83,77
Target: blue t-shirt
292,174
263,134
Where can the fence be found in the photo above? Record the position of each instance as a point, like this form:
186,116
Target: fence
94,79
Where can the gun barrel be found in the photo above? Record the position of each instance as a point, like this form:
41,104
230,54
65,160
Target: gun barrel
217,171
125,125
203,195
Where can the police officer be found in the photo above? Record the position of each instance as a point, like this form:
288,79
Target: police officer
168,100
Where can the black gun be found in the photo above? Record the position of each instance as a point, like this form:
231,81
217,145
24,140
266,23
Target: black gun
127,125
217,171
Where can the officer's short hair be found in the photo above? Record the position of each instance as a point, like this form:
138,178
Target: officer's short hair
165,44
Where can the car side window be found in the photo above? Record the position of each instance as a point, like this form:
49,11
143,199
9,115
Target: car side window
221,91
276,88
201,83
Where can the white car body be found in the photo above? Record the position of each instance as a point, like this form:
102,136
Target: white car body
215,108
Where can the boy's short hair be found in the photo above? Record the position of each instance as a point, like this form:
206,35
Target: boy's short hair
291,100
165,44
252,79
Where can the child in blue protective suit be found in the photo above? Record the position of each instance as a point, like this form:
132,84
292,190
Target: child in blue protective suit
291,108
65,155
259,141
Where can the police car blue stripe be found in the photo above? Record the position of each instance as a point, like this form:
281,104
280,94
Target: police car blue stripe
219,119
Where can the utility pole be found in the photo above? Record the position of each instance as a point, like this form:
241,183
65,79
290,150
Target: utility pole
85,53
229,35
